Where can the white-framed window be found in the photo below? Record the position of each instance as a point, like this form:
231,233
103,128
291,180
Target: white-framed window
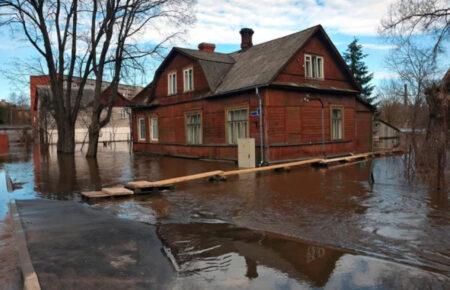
237,125
194,128
188,79
172,83
141,129
336,123
154,134
314,66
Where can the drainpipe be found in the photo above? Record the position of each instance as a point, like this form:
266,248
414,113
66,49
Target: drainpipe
261,137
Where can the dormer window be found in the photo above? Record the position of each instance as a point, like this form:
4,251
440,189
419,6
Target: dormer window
188,79
313,66
172,83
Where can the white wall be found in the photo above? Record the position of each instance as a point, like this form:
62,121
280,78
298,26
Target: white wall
109,134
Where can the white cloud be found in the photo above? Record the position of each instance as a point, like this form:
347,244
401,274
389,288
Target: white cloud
377,46
220,21
384,75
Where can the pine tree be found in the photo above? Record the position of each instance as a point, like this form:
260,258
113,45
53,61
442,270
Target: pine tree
354,57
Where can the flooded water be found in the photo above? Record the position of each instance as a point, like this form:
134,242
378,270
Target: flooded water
306,228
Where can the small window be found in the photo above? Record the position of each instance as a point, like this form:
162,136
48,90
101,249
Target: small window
237,125
336,124
141,129
124,113
154,129
194,128
313,66
188,79
172,83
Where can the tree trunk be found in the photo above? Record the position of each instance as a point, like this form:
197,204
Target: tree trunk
94,135
66,136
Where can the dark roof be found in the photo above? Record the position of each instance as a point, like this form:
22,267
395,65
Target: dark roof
87,98
259,64
204,55
141,97
256,66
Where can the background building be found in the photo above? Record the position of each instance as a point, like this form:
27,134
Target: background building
44,126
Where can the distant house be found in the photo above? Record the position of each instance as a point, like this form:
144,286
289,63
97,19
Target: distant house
44,127
385,136
201,101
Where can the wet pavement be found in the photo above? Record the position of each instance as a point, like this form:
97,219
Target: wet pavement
307,228
73,246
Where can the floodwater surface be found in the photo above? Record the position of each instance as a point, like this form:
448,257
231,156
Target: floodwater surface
306,228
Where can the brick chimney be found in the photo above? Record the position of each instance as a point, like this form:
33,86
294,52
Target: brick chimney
208,47
246,38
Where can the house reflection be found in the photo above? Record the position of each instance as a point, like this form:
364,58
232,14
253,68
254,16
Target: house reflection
206,249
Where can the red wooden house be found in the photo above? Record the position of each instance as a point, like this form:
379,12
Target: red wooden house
294,95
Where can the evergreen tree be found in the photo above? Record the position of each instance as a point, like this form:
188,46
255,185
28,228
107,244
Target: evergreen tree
354,57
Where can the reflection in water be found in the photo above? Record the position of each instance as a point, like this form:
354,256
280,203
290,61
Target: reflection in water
221,256
388,219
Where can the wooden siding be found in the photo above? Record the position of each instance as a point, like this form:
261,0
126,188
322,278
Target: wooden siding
292,126
177,64
334,74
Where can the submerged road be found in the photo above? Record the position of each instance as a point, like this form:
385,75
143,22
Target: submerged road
73,246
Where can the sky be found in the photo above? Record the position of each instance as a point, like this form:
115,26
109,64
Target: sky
219,22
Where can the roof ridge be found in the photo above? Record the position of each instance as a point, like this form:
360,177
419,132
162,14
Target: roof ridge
193,49
278,38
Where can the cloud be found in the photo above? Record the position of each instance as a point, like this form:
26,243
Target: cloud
377,46
384,75
220,22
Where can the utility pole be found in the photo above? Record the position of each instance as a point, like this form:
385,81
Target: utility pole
405,95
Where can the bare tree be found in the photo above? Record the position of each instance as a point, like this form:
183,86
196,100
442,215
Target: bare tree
415,61
83,39
409,17
51,28
19,98
120,54
416,70
438,95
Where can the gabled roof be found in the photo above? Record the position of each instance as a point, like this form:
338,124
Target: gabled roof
44,92
257,66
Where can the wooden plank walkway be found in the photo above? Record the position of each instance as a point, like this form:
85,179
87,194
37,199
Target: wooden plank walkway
272,167
143,186
134,185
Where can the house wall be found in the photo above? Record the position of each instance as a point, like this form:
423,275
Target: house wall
118,128
177,64
334,74
364,128
385,136
292,126
36,81
172,134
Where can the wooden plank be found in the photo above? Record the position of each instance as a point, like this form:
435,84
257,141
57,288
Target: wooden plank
117,191
271,167
95,194
170,182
